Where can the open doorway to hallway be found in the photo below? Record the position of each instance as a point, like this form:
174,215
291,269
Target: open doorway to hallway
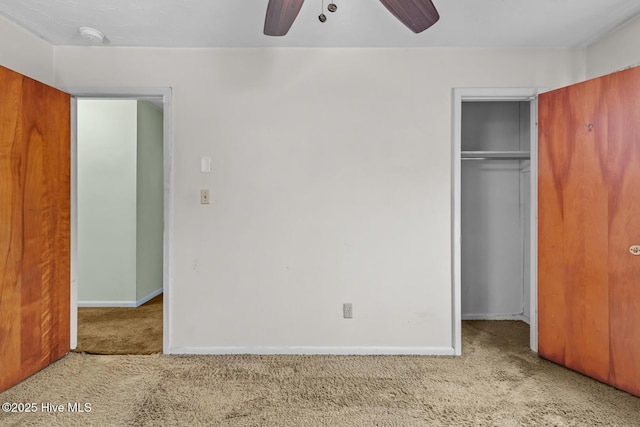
120,225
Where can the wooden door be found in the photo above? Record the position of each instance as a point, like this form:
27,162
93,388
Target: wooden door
621,107
34,226
588,217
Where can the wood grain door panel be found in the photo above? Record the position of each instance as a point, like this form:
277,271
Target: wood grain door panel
589,216
34,226
573,235
621,106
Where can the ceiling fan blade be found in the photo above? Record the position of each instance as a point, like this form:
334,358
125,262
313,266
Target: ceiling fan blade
280,16
418,15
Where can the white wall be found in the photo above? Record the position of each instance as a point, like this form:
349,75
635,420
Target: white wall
617,50
25,53
106,201
492,284
120,202
525,211
331,183
149,209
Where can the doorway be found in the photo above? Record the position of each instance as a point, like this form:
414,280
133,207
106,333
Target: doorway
492,274
161,97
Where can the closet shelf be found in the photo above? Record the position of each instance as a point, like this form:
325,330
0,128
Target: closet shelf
497,155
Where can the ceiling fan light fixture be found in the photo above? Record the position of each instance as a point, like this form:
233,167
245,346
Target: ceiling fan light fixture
417,15
91,34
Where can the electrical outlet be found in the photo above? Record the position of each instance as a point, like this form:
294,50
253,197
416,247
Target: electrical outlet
204,197
347,310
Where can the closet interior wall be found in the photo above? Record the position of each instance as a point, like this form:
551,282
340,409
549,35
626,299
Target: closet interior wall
495,216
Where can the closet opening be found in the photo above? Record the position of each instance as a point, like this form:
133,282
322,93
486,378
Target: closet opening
494,234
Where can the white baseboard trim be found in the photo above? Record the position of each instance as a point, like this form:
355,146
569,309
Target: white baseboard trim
520,317
106,304
149,297
308,350
120,303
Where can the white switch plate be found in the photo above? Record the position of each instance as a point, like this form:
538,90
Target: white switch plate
205,165
204,197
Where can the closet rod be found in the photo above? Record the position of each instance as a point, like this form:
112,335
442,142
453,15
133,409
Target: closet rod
495,158
495,155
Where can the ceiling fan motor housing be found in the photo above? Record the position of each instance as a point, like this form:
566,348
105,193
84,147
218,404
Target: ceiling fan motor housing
417,15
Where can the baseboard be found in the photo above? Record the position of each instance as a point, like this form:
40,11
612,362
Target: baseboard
149,297
308,350
132,304
521,317
106,303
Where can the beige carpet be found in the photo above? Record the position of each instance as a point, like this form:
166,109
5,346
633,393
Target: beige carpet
121,330
497,382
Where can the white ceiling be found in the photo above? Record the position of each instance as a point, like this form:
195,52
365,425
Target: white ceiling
357,23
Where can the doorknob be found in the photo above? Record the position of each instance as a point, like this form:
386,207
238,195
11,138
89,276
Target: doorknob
635,250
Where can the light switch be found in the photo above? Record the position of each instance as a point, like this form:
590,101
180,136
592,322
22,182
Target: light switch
205,165
204,197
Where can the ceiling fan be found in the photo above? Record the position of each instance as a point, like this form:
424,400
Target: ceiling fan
418,15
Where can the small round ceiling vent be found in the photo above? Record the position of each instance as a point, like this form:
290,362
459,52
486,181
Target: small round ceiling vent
91,34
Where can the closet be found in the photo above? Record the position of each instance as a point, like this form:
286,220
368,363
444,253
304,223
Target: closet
495,209
589,228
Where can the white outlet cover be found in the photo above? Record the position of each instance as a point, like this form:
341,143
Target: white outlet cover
347,310
204,197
